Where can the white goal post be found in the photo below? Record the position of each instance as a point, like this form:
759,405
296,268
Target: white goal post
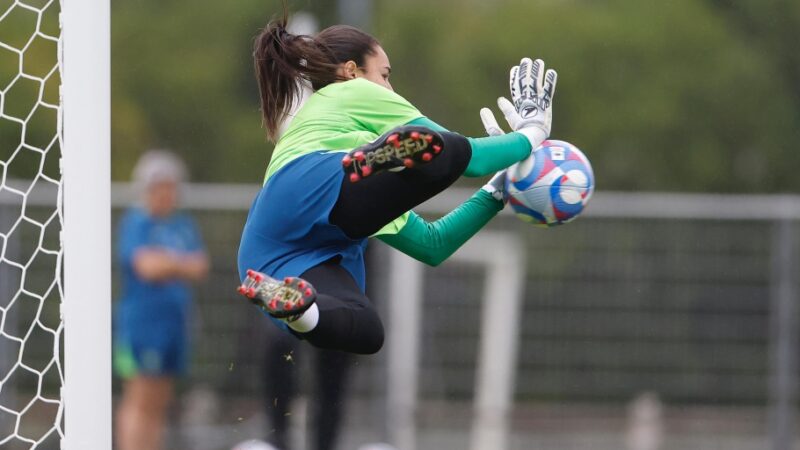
499,336
86,238
55,285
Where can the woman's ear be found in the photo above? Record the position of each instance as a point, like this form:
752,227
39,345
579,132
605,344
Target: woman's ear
349,68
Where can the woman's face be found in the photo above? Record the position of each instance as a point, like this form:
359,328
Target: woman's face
376,68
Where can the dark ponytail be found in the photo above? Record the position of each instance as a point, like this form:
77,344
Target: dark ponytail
282,59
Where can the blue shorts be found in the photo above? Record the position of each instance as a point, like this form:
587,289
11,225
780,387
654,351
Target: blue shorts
288,231
154,346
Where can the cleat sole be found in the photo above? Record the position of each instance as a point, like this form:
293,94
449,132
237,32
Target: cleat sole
278,298
402,148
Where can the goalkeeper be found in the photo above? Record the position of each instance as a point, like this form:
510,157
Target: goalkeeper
351,164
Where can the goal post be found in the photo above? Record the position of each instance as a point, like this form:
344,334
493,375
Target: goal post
499,335
86,238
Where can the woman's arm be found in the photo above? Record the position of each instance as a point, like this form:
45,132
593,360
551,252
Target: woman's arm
157,263
434,242
161,264
154,264
194,266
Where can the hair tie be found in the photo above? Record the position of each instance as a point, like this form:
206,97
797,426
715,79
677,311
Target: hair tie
282,33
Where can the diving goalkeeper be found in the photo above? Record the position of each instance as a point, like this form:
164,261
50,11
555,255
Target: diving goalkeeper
355,160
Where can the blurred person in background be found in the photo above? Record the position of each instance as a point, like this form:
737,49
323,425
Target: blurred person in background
282,361
352,164
160,252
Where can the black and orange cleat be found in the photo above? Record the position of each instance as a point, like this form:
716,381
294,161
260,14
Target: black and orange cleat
280,299
403,147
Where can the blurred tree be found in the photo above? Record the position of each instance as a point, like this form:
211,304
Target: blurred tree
773,25
682,95
179,80
182,77
659,97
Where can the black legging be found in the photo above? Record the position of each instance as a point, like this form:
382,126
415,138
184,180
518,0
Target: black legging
348,321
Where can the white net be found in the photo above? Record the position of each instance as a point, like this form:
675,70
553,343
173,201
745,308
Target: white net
31,336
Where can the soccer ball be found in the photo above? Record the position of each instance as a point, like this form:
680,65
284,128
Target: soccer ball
552,186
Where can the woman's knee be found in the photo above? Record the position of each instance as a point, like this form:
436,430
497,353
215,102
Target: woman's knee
373,336
459,148
359,332
453,159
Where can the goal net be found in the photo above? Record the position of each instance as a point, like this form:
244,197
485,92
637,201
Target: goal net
31,372
42,380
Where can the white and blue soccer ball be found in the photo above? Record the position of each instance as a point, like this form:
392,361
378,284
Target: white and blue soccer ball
552,186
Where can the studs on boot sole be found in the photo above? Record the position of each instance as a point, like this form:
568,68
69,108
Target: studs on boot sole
278,298
399,150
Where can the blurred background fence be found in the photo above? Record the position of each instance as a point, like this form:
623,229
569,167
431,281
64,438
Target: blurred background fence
654,316
654,321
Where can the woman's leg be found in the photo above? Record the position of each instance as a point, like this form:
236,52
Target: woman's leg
142,412
329,400
364,207
324,306
280,376
347,319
